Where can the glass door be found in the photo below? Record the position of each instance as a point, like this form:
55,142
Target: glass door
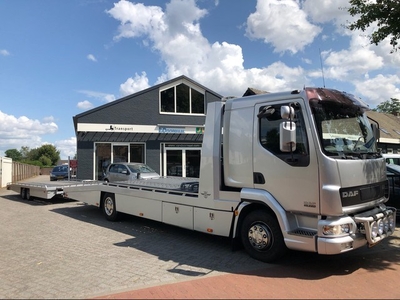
103,159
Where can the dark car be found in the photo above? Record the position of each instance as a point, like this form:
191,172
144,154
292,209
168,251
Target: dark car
393,174
129,171
59,173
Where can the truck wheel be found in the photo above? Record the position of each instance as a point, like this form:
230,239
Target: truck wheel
109,208
27,194
22,193
262,237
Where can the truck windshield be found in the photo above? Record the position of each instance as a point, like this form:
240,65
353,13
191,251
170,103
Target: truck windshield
343,127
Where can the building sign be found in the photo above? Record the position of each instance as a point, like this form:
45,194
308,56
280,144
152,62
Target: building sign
92,127
171,130
120,128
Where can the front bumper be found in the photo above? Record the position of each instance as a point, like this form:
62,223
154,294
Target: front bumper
364,234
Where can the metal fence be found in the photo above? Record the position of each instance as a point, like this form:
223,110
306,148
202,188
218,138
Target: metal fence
22,171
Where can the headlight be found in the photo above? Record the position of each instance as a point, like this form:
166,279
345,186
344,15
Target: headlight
336,229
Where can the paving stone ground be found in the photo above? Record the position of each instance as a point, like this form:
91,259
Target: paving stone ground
64,249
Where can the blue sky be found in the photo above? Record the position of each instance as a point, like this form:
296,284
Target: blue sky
60,58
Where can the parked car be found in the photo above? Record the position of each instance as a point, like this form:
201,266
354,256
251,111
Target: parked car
393,174
59,173
392,158
129,171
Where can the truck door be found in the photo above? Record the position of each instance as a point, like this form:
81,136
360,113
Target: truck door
290,176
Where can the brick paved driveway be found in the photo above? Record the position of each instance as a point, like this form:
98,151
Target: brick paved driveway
64,249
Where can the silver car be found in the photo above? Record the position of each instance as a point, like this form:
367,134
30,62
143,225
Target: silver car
129,171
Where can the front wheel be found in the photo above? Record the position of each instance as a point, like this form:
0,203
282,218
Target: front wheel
262,237
109,208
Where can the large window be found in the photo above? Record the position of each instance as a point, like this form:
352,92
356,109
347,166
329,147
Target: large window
181,99
106,153
269,137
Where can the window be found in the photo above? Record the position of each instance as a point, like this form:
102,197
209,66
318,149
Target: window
269,137
181,99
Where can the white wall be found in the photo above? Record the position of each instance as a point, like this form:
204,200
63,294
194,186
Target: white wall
5,171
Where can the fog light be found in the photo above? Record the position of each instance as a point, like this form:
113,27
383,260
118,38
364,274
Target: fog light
391,222
345,246
385,224
380,226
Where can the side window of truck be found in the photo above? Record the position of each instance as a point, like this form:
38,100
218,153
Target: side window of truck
269,137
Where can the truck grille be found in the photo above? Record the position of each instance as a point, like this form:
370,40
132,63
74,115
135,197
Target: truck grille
365,193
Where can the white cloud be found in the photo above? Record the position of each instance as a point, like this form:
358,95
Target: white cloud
186,51
104,97
136,84
287,25
283,24
4,52
66,147
328,10
85,105
91,57
16,132
48,119
379,88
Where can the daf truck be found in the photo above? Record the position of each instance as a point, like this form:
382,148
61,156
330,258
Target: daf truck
293,170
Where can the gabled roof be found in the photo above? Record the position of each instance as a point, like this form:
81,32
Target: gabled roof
252,91
182,77
389,126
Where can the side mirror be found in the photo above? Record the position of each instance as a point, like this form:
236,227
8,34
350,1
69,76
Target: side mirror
287,130
376,131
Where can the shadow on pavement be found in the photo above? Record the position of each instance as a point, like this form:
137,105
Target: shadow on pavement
38,201
197,254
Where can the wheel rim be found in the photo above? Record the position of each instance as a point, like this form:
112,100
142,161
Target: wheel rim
260,236
109,206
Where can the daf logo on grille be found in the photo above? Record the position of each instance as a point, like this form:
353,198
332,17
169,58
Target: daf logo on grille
349,194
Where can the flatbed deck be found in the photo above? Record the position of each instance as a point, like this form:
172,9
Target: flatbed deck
45,190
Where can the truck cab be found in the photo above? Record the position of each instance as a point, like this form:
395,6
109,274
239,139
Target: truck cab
309,159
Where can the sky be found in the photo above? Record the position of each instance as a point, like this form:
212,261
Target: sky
61,58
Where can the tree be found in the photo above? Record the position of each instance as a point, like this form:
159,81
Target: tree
387,15
46,155
48,151
14,154
24,152
391,106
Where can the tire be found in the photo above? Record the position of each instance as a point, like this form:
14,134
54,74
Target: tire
262,237
22,193
28,194
108,207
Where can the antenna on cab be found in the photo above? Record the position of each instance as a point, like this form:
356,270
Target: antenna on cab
322,67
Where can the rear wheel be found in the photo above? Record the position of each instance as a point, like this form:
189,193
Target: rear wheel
109,208
22,193
27,194
262,237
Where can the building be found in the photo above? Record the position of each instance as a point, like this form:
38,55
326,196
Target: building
389,125
161,126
